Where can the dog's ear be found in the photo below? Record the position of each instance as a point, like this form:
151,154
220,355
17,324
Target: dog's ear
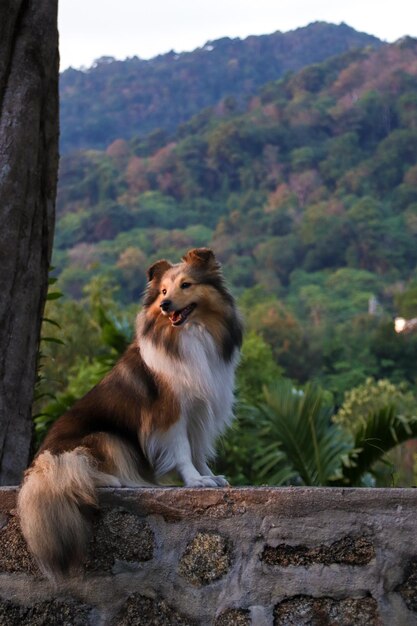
202,257
158,269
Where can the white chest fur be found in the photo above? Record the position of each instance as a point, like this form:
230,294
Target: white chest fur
202,381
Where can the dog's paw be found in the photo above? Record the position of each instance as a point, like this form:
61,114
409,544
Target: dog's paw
220,481
202,481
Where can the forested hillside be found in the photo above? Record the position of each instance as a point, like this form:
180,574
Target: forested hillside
308,196
307,193
117,99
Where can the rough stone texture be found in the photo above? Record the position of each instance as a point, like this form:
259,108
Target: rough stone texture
234,617
142,611
119,536
205,559
192,556
408,589
346,551
14,555
305,611
51,613
28,173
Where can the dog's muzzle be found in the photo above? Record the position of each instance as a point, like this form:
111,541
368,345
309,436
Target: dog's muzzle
166,305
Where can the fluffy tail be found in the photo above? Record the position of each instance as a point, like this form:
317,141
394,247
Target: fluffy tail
55,505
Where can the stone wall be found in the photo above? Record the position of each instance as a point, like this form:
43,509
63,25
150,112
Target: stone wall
177,557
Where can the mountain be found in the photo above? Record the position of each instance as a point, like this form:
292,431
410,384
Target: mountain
120,99
308,194
318,173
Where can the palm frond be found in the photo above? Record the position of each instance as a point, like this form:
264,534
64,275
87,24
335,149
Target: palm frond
379,433
303,440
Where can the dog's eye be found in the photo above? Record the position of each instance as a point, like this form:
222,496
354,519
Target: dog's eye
164,292
185,285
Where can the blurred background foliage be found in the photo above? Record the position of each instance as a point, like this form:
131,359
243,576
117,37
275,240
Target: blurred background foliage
306,188
284,432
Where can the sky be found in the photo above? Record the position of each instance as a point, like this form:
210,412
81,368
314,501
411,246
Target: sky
90,29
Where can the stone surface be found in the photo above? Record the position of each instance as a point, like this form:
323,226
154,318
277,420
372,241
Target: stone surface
51,613
305,611
119,535
234,617
408,589
14,555
142,611
346,551
223,557
206,559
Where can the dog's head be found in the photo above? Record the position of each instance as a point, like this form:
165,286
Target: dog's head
190,290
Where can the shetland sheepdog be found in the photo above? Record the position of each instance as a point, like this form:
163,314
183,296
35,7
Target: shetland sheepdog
159,409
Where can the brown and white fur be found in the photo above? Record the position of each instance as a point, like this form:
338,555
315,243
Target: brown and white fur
159,409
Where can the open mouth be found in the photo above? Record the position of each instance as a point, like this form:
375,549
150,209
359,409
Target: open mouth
179,317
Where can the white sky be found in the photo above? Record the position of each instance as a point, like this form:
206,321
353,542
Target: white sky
90,29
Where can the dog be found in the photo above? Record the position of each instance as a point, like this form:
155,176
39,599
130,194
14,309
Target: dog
159,409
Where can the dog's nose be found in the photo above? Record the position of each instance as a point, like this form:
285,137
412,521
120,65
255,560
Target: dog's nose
165,305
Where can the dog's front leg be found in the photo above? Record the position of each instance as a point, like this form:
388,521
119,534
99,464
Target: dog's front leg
206,471
181,449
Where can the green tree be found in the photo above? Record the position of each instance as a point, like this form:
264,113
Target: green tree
299,443
343,153
395,353
269,317
257,368
406,302
371,397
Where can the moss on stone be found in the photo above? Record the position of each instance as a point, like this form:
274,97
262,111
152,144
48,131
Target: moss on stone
308,611
206,559
14,554
233,617
143,611
347,551
121,535
54,612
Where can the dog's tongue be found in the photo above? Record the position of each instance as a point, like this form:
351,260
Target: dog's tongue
178,317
